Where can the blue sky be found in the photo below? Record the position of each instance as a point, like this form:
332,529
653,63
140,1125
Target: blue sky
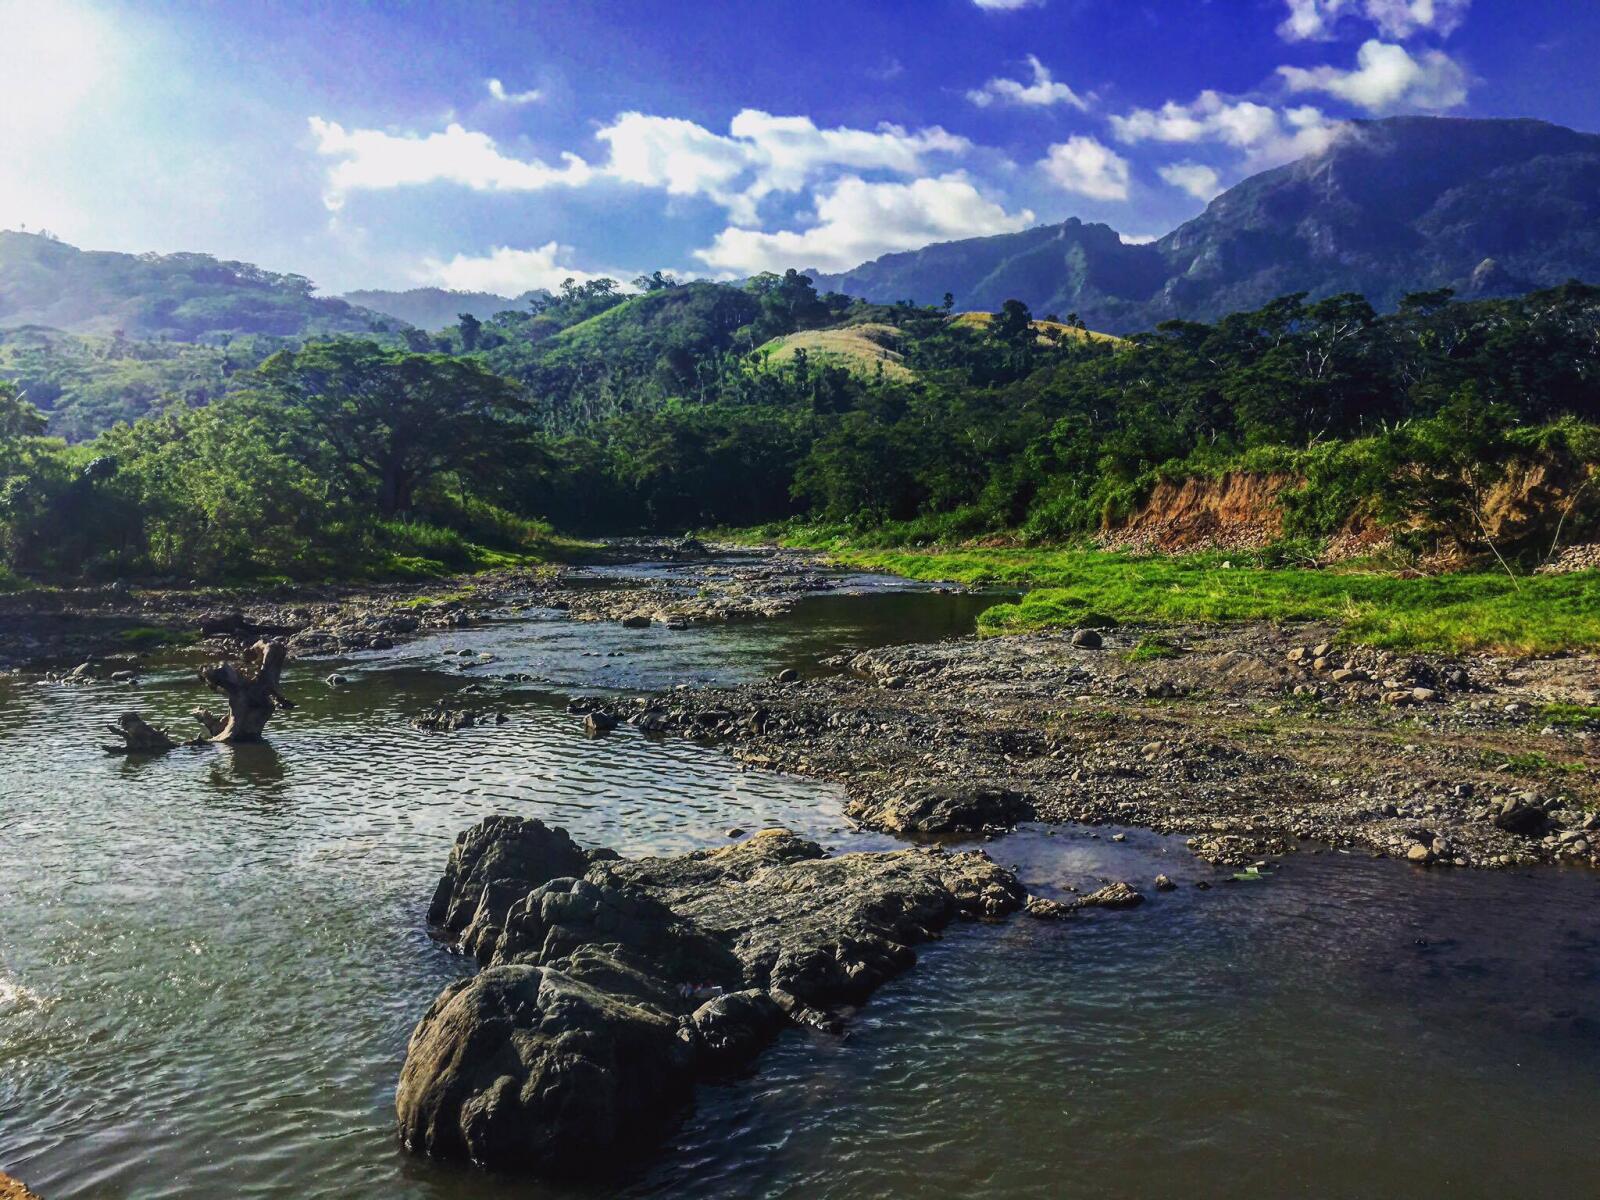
509,145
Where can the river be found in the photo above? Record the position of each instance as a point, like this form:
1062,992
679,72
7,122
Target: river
210,963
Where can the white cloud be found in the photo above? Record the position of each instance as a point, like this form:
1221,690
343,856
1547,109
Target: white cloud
498,91
1315,20
1266,135
1089,167
858,220
508,272
1387,77
1200,181
1041,93
1005,5
371,159
761,154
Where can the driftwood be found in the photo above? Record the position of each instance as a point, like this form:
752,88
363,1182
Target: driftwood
139,737
252,699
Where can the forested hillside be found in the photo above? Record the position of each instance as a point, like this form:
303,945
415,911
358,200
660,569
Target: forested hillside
596,411
173,297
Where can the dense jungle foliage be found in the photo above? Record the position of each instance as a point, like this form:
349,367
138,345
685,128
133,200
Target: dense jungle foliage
604,410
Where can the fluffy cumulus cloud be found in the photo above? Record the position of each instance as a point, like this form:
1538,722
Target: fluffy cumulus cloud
507,271
1042,92
760,154
371,159
1387,77
1315,20
1265,134
857,220
1200,181
1088,167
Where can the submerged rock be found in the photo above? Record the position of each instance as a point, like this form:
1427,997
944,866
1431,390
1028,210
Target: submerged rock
613,985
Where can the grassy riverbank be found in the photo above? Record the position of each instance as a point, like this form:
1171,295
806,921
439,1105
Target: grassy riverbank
1456,612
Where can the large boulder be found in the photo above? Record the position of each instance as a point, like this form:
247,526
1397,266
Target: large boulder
610,991
554,1069
512,855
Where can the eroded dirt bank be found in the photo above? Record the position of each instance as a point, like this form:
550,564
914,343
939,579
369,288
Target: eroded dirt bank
1254,741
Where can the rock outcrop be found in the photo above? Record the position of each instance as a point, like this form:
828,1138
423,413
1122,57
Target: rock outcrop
611,986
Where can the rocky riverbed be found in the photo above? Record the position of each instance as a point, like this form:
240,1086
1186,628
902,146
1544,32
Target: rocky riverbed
1254,741
611,986
112,629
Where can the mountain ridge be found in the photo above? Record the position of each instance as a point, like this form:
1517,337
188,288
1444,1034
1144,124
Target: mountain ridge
1486,206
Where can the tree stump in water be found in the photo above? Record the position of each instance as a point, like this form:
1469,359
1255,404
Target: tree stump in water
138,737
251,699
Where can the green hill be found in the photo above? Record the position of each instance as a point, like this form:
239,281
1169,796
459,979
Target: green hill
432,307
862,349
177,297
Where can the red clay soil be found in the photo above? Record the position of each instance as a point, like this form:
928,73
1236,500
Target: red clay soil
1237,510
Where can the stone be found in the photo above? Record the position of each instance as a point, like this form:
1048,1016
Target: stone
336,680
599,721
1418,853
520,850
1113,895
636,621
1520,817
942,808
787,675
1087,639
1045,909
613,986
1163,884
1423,695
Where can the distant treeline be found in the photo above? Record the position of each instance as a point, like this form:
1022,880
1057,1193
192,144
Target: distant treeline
599,411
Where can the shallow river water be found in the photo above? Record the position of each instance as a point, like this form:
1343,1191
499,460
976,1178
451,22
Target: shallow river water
210,963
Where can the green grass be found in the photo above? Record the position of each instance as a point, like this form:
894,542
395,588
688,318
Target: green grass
1469,611
1151,648
1571,716
1528,763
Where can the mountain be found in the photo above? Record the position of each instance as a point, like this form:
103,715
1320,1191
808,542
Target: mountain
1488,207
432,307
177,297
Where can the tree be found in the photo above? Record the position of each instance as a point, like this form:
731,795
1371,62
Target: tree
655,282
471,331
389,422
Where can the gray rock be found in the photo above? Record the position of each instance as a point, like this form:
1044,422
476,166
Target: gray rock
1113,895
943,808
1087,639
614,985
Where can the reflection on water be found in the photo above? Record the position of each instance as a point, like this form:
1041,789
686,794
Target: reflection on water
210,963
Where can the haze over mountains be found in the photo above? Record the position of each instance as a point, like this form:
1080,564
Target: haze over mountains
1488,207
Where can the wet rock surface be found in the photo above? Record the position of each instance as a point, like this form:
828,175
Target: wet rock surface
611,986
1253,741
11,1189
